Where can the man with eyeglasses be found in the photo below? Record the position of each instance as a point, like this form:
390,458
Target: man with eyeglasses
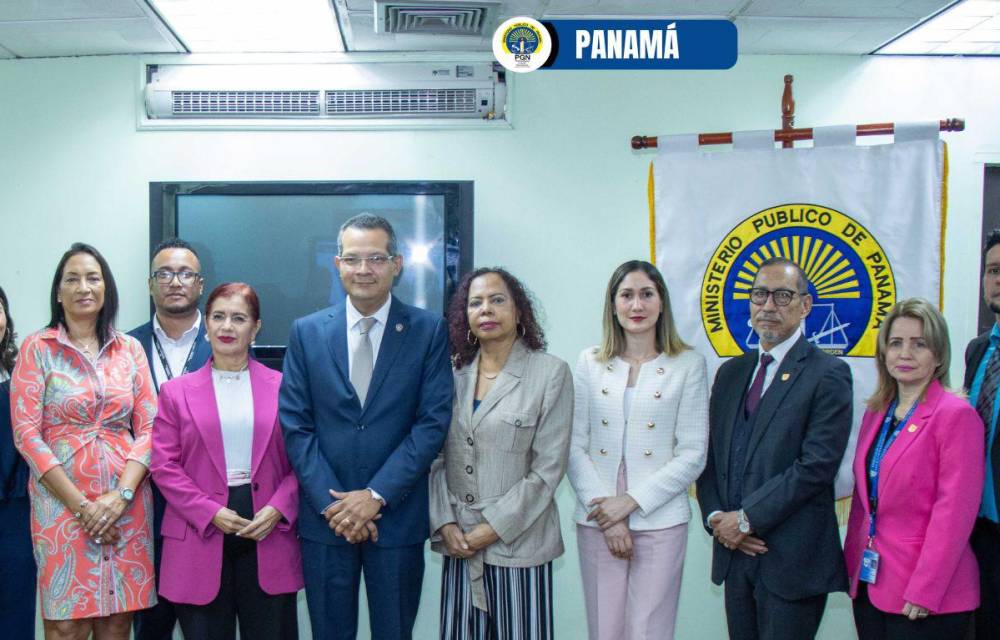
365,405
174,342
779,419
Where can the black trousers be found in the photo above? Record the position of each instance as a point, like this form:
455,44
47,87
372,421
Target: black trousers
157,622
17,571
261,616
755,613
875,624
986,546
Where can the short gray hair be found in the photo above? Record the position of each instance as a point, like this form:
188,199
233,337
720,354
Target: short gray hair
367,221
802,282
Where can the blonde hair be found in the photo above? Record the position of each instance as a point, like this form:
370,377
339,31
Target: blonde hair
935,335
613,342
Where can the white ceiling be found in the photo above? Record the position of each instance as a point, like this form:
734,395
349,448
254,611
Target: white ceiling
44,28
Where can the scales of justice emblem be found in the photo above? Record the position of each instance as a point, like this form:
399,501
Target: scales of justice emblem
850,279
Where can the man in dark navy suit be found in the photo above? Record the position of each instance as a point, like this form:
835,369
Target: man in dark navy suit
174,342
365,406
779,421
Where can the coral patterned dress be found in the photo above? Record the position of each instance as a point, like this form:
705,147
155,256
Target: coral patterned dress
67,410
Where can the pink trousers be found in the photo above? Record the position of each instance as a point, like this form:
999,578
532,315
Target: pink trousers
632,599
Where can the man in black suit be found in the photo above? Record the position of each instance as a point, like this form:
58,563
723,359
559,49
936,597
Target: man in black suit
174,342
982,375
779,419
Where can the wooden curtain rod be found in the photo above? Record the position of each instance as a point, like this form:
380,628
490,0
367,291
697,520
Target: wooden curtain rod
788,136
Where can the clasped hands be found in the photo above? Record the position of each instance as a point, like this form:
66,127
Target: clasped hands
353,515
726,529
228,521
98,517
610,513
465,545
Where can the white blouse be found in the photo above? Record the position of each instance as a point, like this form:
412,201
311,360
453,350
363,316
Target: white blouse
235,401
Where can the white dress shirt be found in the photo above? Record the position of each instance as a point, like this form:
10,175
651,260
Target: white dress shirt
234,398
176,351
778,352
374,334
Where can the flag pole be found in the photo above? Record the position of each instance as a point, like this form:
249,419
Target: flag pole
788,134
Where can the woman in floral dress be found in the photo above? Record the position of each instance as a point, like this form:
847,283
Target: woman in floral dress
79,391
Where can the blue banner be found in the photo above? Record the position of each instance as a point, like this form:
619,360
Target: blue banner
642,44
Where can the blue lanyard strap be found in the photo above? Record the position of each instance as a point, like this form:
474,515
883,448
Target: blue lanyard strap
885,441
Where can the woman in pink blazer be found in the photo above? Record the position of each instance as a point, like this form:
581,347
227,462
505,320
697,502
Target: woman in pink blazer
919,467
230,548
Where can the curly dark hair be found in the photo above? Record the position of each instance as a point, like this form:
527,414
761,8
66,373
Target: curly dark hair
8,341
529,330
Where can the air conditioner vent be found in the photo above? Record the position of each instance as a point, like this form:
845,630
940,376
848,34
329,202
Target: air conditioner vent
246,103
434,17
378,102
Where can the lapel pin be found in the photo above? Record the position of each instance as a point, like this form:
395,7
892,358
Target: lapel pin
912,428
399,327
785,377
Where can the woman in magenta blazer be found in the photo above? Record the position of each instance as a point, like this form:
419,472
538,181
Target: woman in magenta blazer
919,468
230,548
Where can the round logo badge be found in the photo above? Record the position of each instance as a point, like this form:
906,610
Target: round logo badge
850,279
521,44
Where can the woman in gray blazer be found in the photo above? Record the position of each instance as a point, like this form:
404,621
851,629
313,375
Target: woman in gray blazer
493,512
640,437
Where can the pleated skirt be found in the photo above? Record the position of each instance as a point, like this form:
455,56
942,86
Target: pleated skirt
519,600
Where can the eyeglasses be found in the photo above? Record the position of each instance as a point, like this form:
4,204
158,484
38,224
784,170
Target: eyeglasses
781,297
377,261
165,276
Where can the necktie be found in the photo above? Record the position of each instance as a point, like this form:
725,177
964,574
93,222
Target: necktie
757,388
361,372
988,390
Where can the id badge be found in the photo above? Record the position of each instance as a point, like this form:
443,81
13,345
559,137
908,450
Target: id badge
869,566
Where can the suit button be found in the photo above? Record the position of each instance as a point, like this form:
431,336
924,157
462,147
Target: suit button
604,452
468,468
470,498
650,424
107,557
604,421
517,423
469,440
656,394
604,391
361,427
256,486
659,370
647,452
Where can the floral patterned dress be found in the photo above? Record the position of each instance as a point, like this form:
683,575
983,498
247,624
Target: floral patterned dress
67,410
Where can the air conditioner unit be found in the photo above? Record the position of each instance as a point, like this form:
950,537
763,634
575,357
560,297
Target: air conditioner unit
326,91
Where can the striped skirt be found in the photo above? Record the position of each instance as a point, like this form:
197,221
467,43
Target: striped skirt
519,601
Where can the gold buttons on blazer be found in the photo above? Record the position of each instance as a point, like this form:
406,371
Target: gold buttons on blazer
656,394
659,370
470,498
468,468
469,440
650,424
604,421
604,391
647,452
610,368
604,452
517,423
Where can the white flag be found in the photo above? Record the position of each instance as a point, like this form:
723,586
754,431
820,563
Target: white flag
864,222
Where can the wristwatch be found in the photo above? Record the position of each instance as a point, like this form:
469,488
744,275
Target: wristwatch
126,494
741,520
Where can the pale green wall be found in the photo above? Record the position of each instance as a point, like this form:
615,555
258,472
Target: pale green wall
560,199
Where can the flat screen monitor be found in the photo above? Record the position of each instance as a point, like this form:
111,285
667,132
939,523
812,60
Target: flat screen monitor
281,238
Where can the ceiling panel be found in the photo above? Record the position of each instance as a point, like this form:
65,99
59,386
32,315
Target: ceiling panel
82,37
917,9
668,8
20,10
815,35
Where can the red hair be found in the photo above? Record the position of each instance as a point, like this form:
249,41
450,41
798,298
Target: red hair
230,289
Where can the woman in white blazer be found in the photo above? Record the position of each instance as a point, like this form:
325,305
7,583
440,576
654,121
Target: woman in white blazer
640,435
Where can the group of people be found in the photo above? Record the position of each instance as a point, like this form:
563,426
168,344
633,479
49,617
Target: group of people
174,479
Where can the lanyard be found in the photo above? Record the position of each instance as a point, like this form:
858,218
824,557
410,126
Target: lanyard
885,440
163,357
